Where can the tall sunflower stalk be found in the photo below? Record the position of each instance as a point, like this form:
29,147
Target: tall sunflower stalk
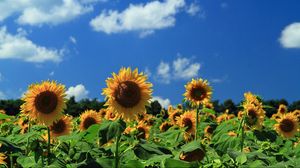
197,92
127,94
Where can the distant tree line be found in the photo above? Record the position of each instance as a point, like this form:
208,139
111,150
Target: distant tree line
74,108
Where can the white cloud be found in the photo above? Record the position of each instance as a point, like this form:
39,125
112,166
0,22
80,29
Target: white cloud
163,72
19,47
78,91
163,102
290,36
185,69
2,95
147,72
143,18
224,5
219,80
73,39
51,73
182,68
38,12
193,9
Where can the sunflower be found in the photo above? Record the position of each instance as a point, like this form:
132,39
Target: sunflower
208,131
208,105
254,116
297,114
287,126
174,115
23,123
198,92
165,126
221,118
232,134
2,159
2,111
127,93
148,119
276,116
44,102
102,113
88,118
111,116
282,109
61,127
188,120
195,155
142,131
252,99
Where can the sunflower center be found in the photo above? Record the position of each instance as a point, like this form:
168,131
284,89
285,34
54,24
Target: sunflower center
187,123
177,114
286,125
58,127
88,122
128,94
141,133
282,110
46,102
198,93
210,130
165,127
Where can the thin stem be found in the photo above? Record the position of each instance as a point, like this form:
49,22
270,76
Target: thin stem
243,133
11,160
48,147
117,151
197,121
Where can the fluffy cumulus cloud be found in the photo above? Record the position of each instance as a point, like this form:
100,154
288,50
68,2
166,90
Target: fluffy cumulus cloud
79,92
163,102
144,18
19,47
38,12
193,9
290,36
2,95
181,68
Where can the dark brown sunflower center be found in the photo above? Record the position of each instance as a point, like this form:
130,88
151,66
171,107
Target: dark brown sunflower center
210,130
128,94
177,114
198,93
88,122
141,133
58,127
195,155
252,114
46,102
287,125
165,127
103,114
187,123
282,110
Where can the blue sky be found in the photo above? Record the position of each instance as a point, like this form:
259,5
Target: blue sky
237,46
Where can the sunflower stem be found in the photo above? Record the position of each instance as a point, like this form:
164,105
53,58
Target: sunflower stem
243,133
117,151
48,147
197,120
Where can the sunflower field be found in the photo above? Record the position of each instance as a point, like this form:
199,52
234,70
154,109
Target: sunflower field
122,135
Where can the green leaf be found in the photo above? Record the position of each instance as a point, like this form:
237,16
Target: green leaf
133,164
4,116
207,110
115,129
26,161
242,158
177,163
